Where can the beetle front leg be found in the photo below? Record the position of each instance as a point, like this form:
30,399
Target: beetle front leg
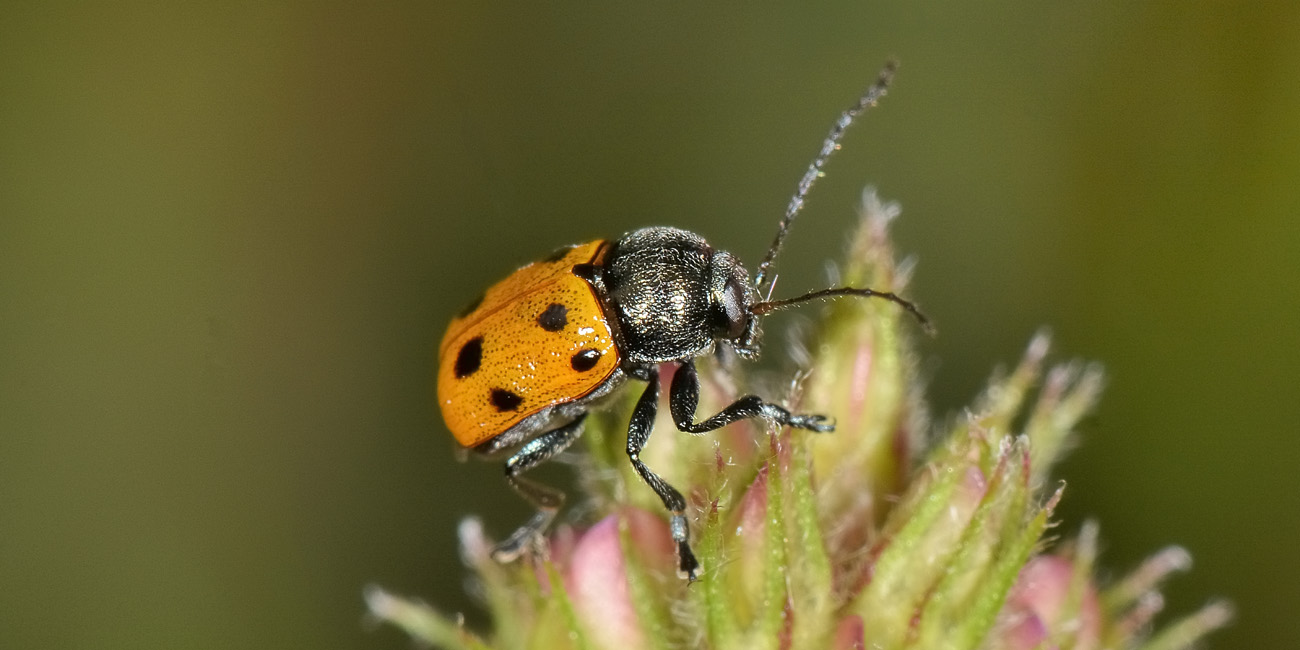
638,432
685,397
546,499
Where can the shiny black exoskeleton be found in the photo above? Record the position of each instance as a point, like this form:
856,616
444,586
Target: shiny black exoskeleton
674,296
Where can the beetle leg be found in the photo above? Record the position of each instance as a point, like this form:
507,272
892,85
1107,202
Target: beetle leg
685,397
638,432
546,499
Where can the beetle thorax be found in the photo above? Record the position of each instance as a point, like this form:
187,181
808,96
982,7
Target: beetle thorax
674,296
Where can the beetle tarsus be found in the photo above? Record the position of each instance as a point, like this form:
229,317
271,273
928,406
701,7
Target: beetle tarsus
688,567
813,422
528,536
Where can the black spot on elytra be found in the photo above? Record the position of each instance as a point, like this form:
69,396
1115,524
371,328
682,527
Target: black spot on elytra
469,358
558,254
585,360
585,271
505,400
469,309
554,317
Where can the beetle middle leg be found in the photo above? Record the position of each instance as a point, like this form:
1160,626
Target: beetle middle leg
685,397
546,499
638,432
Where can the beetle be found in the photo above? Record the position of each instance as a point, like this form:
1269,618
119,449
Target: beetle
520,367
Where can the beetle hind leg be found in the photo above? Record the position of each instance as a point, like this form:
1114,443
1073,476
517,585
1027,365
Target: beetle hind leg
638,432
546,499
685,397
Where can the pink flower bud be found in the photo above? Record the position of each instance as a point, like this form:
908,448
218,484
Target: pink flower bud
595,575
1036,605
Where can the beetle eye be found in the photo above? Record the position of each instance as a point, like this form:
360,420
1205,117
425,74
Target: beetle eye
731,317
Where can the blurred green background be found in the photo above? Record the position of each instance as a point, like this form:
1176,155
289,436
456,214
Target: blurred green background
231,235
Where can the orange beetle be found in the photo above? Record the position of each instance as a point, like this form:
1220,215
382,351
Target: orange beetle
546,341
519,369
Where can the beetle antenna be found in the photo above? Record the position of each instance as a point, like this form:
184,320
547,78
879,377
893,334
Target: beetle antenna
829,146
769,306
